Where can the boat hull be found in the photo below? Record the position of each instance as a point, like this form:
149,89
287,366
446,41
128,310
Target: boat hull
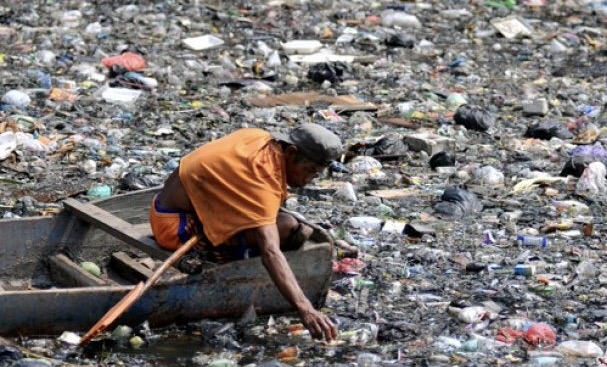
221,291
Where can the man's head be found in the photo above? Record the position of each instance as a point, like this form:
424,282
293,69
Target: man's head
310,150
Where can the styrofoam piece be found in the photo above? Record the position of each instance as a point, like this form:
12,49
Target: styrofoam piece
121,96
203,42
301,47
511,27
321,57
8,143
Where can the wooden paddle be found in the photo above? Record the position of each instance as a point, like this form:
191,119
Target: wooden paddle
127,301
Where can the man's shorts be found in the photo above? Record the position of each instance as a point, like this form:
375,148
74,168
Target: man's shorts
173,228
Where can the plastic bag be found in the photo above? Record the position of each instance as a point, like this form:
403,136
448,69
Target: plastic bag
580,348
596,151
489,176
540,335
364,164
442,159
547,130
575,166
458,202
474,117
592,182
128,60
331,71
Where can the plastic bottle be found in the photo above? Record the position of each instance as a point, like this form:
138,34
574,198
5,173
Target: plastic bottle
361,283
100,191
538,241
525,270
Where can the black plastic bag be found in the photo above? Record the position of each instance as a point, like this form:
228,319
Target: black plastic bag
575,166
547,130
457,202
331,71
474,117
442,159
390,146
401,40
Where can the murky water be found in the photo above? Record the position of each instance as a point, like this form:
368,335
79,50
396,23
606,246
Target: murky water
177,351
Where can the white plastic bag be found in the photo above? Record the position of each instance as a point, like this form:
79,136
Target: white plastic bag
592,181
580,348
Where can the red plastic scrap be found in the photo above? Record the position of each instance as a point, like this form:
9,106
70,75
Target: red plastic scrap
128,60
508,335
540,335
348,265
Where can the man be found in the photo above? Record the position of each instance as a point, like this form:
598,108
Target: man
229,192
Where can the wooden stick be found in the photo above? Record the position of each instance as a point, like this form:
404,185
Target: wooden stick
127,301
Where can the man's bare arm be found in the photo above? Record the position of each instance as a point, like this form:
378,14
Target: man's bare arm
268,242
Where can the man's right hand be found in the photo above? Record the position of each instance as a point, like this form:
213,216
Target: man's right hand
318,324
268,241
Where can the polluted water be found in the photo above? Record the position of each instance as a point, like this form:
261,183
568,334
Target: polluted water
468,207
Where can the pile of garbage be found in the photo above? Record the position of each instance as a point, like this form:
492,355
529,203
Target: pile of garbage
473,186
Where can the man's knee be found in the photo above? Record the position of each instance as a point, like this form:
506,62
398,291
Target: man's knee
293,234
286,224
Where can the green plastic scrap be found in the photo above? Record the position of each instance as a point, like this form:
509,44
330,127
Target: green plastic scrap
508,4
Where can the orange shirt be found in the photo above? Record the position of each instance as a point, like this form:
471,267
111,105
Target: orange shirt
235,183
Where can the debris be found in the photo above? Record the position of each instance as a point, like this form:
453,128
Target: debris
511,27
128,60
472,185
333,72
538,107
474,118
339,103
203,42
91,268
457,202
430,143
304,47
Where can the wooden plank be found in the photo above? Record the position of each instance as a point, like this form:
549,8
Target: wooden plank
128,268
396,193
341,103
117,227
144,229
68,274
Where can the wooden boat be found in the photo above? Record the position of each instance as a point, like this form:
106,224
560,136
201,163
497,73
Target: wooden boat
44,291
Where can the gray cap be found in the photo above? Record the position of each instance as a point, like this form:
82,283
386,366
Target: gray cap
315,142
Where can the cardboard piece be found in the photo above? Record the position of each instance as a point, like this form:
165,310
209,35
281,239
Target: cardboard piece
337,103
